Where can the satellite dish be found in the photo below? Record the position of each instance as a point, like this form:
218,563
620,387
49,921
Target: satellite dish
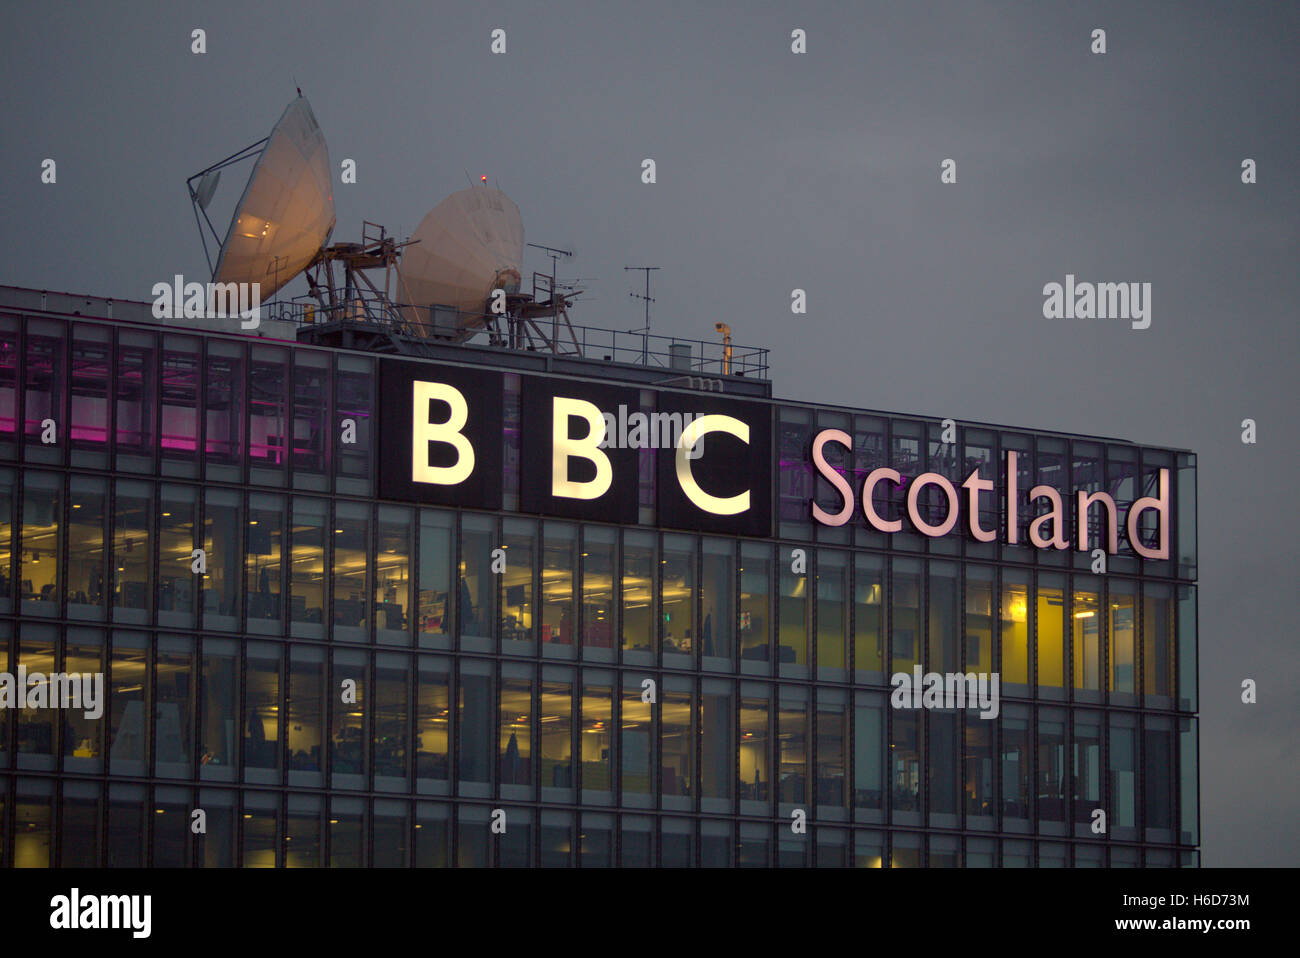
207,186
287,211
469,244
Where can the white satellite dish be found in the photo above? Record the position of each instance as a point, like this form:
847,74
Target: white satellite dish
286,213
468,245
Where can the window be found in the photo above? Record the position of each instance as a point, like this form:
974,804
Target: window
262,713
1052,772
311,436
177,581
477,705
755,749
598,565
137,396
180,405
39,552
717,755
832,614
45,389
792,629
353,413
223,541
223,410
556,724
351,552
305,702
219,709
1051,635
87,500
905,635
307,562
596,737
636,743
678,741
868,618
128,746
91,380
432,724
559,565
792,741
678,600
263,563
1123,637
718,604
515,736
36,726
434,611
131,554
945,624
755,607
1122,788
1087,638
981,771
83,736
173,713
869,754
477,583
517,598
832,753
349,693
1158,644
393,577
392,732
1086,769
1017,769
638,596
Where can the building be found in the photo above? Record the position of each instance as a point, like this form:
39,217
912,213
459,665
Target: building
369,609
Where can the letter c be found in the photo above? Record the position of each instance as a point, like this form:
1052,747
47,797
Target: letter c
690,436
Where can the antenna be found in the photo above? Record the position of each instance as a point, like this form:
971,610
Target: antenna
645,330
554,254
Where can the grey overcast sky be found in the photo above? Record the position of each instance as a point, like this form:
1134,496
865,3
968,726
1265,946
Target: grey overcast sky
775,171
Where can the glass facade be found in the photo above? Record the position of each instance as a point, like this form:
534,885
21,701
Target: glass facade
340,680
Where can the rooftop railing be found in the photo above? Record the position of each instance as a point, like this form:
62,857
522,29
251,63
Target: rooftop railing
447,326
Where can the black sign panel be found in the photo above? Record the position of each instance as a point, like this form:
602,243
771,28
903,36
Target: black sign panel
728,489
596,483
440,434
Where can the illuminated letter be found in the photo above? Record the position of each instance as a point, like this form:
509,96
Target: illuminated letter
833,477
914,493
1085,500
1161,505
424,432
1013,500
1056,517
974,485
869,509
690,436
563,449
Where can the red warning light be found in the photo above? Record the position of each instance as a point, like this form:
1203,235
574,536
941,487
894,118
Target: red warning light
483,178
